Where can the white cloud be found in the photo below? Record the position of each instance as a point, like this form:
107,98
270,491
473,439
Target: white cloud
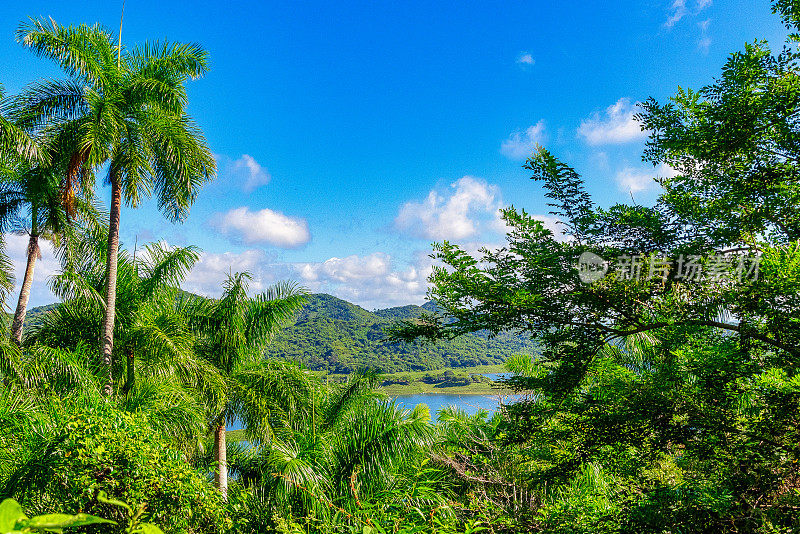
245,172
676,13
519,145
616,125
525,59
264,226
678,10
45,267
469,206
209,272
370,281
346,269
702,4
704,43
256,174
633,180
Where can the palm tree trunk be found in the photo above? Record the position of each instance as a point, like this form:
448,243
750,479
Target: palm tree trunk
130,370
107,339
25,292
221,453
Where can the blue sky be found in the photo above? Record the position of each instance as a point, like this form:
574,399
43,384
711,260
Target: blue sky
350,135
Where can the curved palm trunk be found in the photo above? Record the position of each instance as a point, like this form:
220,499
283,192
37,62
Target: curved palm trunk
107,339
25,292
221,454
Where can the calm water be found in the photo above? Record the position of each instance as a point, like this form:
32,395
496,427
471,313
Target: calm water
469,403
436,401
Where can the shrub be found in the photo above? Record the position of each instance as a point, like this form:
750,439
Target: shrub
107,450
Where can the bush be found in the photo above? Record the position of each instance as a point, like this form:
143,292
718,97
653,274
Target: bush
118,453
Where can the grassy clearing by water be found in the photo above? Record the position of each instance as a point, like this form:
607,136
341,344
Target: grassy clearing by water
416,383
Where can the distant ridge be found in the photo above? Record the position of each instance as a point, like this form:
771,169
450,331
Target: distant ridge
338,336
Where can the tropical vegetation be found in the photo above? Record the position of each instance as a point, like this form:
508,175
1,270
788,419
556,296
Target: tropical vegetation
663,394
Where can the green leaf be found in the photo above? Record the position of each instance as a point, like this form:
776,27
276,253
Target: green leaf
149,528
103,498
56,522
10,513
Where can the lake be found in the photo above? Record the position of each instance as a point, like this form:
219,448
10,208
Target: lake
436,401
469,403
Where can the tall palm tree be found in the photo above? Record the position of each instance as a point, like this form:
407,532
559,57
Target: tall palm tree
259,393
151,328
155,361
127,109
30,204
17,148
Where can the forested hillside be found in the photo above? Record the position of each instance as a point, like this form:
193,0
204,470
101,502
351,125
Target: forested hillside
334,335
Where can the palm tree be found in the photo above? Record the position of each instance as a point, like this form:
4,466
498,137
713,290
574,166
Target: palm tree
30,204
259,393
162,374
17,148
351,446
151,326
126,109
15,143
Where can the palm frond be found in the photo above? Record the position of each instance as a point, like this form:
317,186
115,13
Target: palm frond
83,52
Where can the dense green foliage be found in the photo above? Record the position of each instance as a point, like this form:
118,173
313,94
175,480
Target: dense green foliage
664,400
13,520
121,454
333,335
663,397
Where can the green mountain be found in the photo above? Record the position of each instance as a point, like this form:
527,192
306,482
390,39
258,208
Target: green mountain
334,335
34,315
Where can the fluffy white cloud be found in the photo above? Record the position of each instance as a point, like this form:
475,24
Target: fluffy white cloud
245,172
209,272
346,269
263,226
46,266
469,206
370,281
525,59
519,145
633,180
616,125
